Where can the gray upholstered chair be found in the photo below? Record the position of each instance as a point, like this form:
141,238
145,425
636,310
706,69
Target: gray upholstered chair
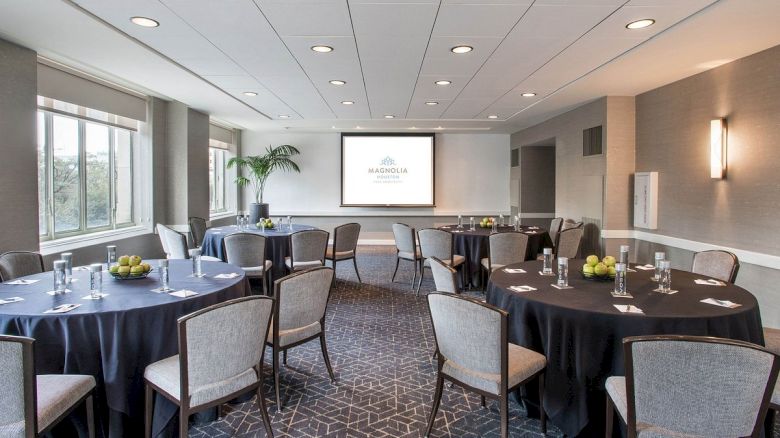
301,300
569,224
15,264
32,405
406,248
247,251
220,357
307,250
774,408
198,229
503,249
692,386
436,243
555,229
719,264
175,246
474,353
345,241
444,276
569,241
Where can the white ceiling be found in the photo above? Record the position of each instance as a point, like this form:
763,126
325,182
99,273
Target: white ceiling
206,53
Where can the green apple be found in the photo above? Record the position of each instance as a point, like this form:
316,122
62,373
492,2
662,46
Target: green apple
124,270
137,270
601,269
592,260
124,260
611,270
113,269
135,260
609,261
587,269
147,267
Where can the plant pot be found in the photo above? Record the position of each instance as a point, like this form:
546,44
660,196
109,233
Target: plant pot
257,211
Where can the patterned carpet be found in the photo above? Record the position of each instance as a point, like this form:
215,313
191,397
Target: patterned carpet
380,344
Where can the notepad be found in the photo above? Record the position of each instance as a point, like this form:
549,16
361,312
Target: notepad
22,281
11,300
561,287
645,267
628,308
96,297
522,288
63,308
710,282
514,271
721,303
184,293
230,275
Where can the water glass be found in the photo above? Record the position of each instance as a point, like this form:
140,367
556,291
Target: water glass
289,223
262,225
279,224
547,266
164,275
659,256
239,219
665,280
110,255
501,220
460,221
197,269
60,285
96,280
623,254
67,257
471,223
621,288
494,226
563,271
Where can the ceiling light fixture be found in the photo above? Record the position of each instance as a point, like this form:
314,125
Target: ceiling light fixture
347,102
322,49
461,49
444,82
337,82
144,21
284,116
492,116
431,103
250,93
640,24
528,94
389,116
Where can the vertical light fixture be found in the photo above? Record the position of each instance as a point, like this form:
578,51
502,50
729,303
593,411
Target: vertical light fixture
717,148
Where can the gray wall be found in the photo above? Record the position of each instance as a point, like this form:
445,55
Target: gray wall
18,140
186,164
537,179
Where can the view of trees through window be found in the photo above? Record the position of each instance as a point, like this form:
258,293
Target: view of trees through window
217,162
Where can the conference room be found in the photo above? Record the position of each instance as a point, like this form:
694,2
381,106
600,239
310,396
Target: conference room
389,218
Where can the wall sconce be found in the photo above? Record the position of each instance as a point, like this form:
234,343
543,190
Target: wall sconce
718,148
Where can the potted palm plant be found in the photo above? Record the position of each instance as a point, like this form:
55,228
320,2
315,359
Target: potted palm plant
259,168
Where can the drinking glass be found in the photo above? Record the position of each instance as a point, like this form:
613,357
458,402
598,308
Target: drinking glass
547,266
289,223
460,221
665,280
197,269
164,275
67,257
563,271
110,255
471,223
623,254
501,220
96,280
279,224
239,220
659,256
620,279
494,226
59,276
262,225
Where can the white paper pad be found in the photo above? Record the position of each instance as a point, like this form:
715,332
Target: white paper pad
97,297
670,292
628,308
514,271
522,288
11,300
546,275
457,231
81,268
22,281
230,275
184,293
561,287
721,303
645,267
63,308
54,292
709,282
161,290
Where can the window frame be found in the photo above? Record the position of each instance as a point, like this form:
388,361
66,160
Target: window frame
219,183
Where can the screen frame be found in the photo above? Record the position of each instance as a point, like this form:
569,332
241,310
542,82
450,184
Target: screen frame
432,135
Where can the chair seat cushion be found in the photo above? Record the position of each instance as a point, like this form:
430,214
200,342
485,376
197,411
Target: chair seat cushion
340,255
616,389
457,260
523,363
289,337
258,271
165,375
408,255
58,393
485,263
772,339
301,265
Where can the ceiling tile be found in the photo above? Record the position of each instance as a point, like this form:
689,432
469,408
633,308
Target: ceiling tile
467,20
308,18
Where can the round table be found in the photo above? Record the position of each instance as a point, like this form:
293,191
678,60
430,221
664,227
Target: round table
277,243
116,337
581,332
473,245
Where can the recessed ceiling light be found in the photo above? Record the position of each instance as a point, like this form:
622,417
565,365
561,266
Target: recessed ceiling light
389,116
337,82
445,82
284,116
431,103
461,49
528,94
492,116
322,49
144,21
640,24
347,102
250,93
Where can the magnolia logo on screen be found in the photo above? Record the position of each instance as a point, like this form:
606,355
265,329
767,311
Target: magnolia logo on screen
387,171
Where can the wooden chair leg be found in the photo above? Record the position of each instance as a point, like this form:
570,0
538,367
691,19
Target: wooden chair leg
90,417
263,410
769,424
354,262
436,401
414,277
397,262
542,414
284,357
184,422
148,410
503,402
419,283
276,379
325,357
610,417
482,400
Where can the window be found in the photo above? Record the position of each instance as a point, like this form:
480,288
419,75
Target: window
85,175
217,162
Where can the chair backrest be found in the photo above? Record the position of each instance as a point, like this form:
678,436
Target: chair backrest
174,243
222,342
719,264
198,230
301,298
345,237
555,228
569,224
245,250
507,248
309,245
444,277
404,238
15,264
18,414
569,243
435,243
698,386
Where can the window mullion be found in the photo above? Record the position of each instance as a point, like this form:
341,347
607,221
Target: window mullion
112,176
49,148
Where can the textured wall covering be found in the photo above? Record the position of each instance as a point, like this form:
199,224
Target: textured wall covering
537,179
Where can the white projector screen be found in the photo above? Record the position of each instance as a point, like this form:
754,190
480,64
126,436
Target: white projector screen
387,170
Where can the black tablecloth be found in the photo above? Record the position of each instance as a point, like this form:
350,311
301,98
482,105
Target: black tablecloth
115,338
277,244
474,245
581,332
